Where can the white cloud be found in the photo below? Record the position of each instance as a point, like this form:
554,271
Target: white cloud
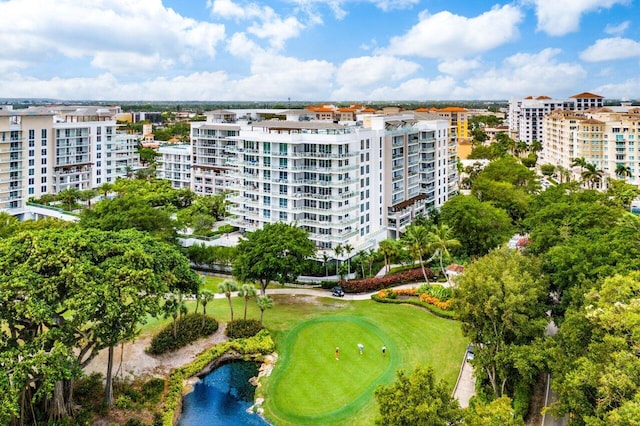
526,74
230,10
338,6
617,30
276,29
559,17
445,35
457,67
267,23
368,70
628,89
38,30
608,49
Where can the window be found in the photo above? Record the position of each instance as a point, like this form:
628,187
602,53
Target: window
43,151
43,179
43,170
283,216
43,161
32,152
32,172
43,133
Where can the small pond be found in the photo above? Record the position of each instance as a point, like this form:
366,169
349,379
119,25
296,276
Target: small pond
222,397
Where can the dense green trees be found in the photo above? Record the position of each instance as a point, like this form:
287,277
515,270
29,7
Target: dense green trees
417,399
66,294
478,226
277,252
502,305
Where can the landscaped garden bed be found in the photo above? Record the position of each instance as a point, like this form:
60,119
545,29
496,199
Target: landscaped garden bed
379,283
434,298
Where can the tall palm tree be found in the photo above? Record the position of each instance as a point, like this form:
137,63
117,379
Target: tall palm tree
535,146
226,287
389,248
105,189
206,296
623,171
70,196
338,250
348,248
592,174
87,195
442,241
246,291
417,242
325,262
264,302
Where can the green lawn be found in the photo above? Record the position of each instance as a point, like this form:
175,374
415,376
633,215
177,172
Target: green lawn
308,386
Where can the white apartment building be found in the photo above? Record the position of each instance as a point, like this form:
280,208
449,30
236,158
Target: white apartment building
525,115
353,183
46,150
175,165
603,137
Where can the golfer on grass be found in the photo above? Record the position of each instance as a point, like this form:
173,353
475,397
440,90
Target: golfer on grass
337,353
361,348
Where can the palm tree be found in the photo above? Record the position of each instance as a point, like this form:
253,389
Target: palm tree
325,262
417,241
264,302
105,189
348,248
442,241
535,146
87,195
579,162
70,196
623,171
226,287
246,291
206,296
338,251
592,174
388,248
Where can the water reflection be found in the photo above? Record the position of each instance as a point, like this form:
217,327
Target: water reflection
222,398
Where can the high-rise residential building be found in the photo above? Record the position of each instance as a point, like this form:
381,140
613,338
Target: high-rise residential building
354,183
604,137
525,115
45,150
175,164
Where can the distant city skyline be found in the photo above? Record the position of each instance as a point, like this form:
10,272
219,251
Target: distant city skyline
305,50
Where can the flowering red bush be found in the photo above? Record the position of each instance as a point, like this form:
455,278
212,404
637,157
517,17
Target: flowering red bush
374,284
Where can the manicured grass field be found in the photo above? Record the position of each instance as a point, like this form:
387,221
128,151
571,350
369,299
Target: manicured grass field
309,387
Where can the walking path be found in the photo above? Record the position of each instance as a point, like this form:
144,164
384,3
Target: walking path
466,385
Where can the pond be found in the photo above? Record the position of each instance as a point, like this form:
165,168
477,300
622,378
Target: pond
222,397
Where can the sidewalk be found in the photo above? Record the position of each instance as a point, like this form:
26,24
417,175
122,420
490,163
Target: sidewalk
466,385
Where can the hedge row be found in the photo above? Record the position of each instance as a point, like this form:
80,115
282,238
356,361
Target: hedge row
241,328
433,309
375,284
261,344
189,329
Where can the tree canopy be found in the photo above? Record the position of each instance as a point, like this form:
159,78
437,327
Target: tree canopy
277,252
66,294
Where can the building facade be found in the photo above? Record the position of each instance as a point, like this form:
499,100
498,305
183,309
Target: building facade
606,138
174,165
526,115
45,150
353,183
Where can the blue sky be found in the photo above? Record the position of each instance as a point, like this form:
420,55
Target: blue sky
318,50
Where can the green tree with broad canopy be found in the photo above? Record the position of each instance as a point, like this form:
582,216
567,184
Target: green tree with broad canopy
417,399
502,305
277,252
67,293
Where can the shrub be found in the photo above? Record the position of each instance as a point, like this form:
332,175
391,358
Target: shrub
436,290
152,389
374,284
521,399
431,308
189,329
124,402
134,422
241,328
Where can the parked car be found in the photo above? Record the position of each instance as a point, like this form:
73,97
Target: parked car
337,291
469,355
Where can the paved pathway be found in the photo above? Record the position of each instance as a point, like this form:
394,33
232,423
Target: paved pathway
466,384
319,292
